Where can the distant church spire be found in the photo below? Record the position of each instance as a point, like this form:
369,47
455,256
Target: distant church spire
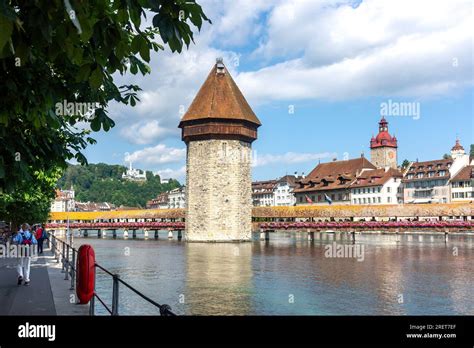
457,150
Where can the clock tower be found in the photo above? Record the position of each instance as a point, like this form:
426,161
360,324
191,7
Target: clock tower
383,147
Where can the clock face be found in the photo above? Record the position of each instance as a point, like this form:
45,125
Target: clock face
391,154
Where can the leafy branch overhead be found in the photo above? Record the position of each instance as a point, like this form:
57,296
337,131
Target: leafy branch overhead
55,51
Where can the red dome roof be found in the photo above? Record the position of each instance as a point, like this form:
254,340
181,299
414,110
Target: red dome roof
383,139
383,136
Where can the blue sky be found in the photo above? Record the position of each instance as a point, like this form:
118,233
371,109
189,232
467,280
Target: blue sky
331,62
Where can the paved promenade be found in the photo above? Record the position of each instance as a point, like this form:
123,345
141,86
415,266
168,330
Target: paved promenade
48,293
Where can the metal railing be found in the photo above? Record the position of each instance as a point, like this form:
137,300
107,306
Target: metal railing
67,254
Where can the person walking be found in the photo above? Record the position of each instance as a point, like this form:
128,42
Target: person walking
40,236
24,239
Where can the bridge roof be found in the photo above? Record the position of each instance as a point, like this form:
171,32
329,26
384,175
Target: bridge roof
119,214
303,211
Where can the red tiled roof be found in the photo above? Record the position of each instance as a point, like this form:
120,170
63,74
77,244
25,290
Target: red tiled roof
162,198
465,174
377,177
457,146
423,168
290,179
262,187
93,206
333,175
220,98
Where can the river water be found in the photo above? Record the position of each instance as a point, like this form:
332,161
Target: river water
395,275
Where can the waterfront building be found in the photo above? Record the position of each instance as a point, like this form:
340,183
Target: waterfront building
218,129
176,198
134,174
429,181
462,185
357,181
277,192
330,182
64,201
283,194
173,199
160,202
383,147
377,186
263,193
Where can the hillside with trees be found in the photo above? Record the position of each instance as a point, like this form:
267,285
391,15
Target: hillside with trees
103,183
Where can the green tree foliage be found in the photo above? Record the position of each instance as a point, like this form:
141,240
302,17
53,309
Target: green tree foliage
405,163
103,183
31,202
68,51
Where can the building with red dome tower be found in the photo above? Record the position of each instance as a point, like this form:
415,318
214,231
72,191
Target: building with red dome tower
383,147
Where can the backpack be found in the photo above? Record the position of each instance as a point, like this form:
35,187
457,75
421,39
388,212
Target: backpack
44,235
25,240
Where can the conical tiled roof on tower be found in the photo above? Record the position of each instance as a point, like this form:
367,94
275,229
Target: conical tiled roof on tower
219,110
457,146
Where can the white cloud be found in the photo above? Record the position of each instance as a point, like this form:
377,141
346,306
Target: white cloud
306,50
234,22
146,132
159,154
178,174
289,158
396,48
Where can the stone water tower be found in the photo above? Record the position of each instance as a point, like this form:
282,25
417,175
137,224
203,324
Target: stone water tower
218,129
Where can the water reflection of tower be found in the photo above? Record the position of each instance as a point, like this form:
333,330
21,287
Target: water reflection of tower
389,280
218,279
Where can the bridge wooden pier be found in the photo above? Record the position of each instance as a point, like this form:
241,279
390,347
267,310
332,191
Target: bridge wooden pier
420,232
103,233
135,233
314,231
312,235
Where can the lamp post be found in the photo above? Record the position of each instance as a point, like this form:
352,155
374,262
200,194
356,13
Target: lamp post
67,224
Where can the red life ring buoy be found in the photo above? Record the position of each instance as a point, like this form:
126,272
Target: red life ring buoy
85,277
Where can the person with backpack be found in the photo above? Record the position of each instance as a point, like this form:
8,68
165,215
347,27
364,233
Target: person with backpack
40,235
25,239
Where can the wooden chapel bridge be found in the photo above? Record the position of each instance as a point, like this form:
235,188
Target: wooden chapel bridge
397,218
